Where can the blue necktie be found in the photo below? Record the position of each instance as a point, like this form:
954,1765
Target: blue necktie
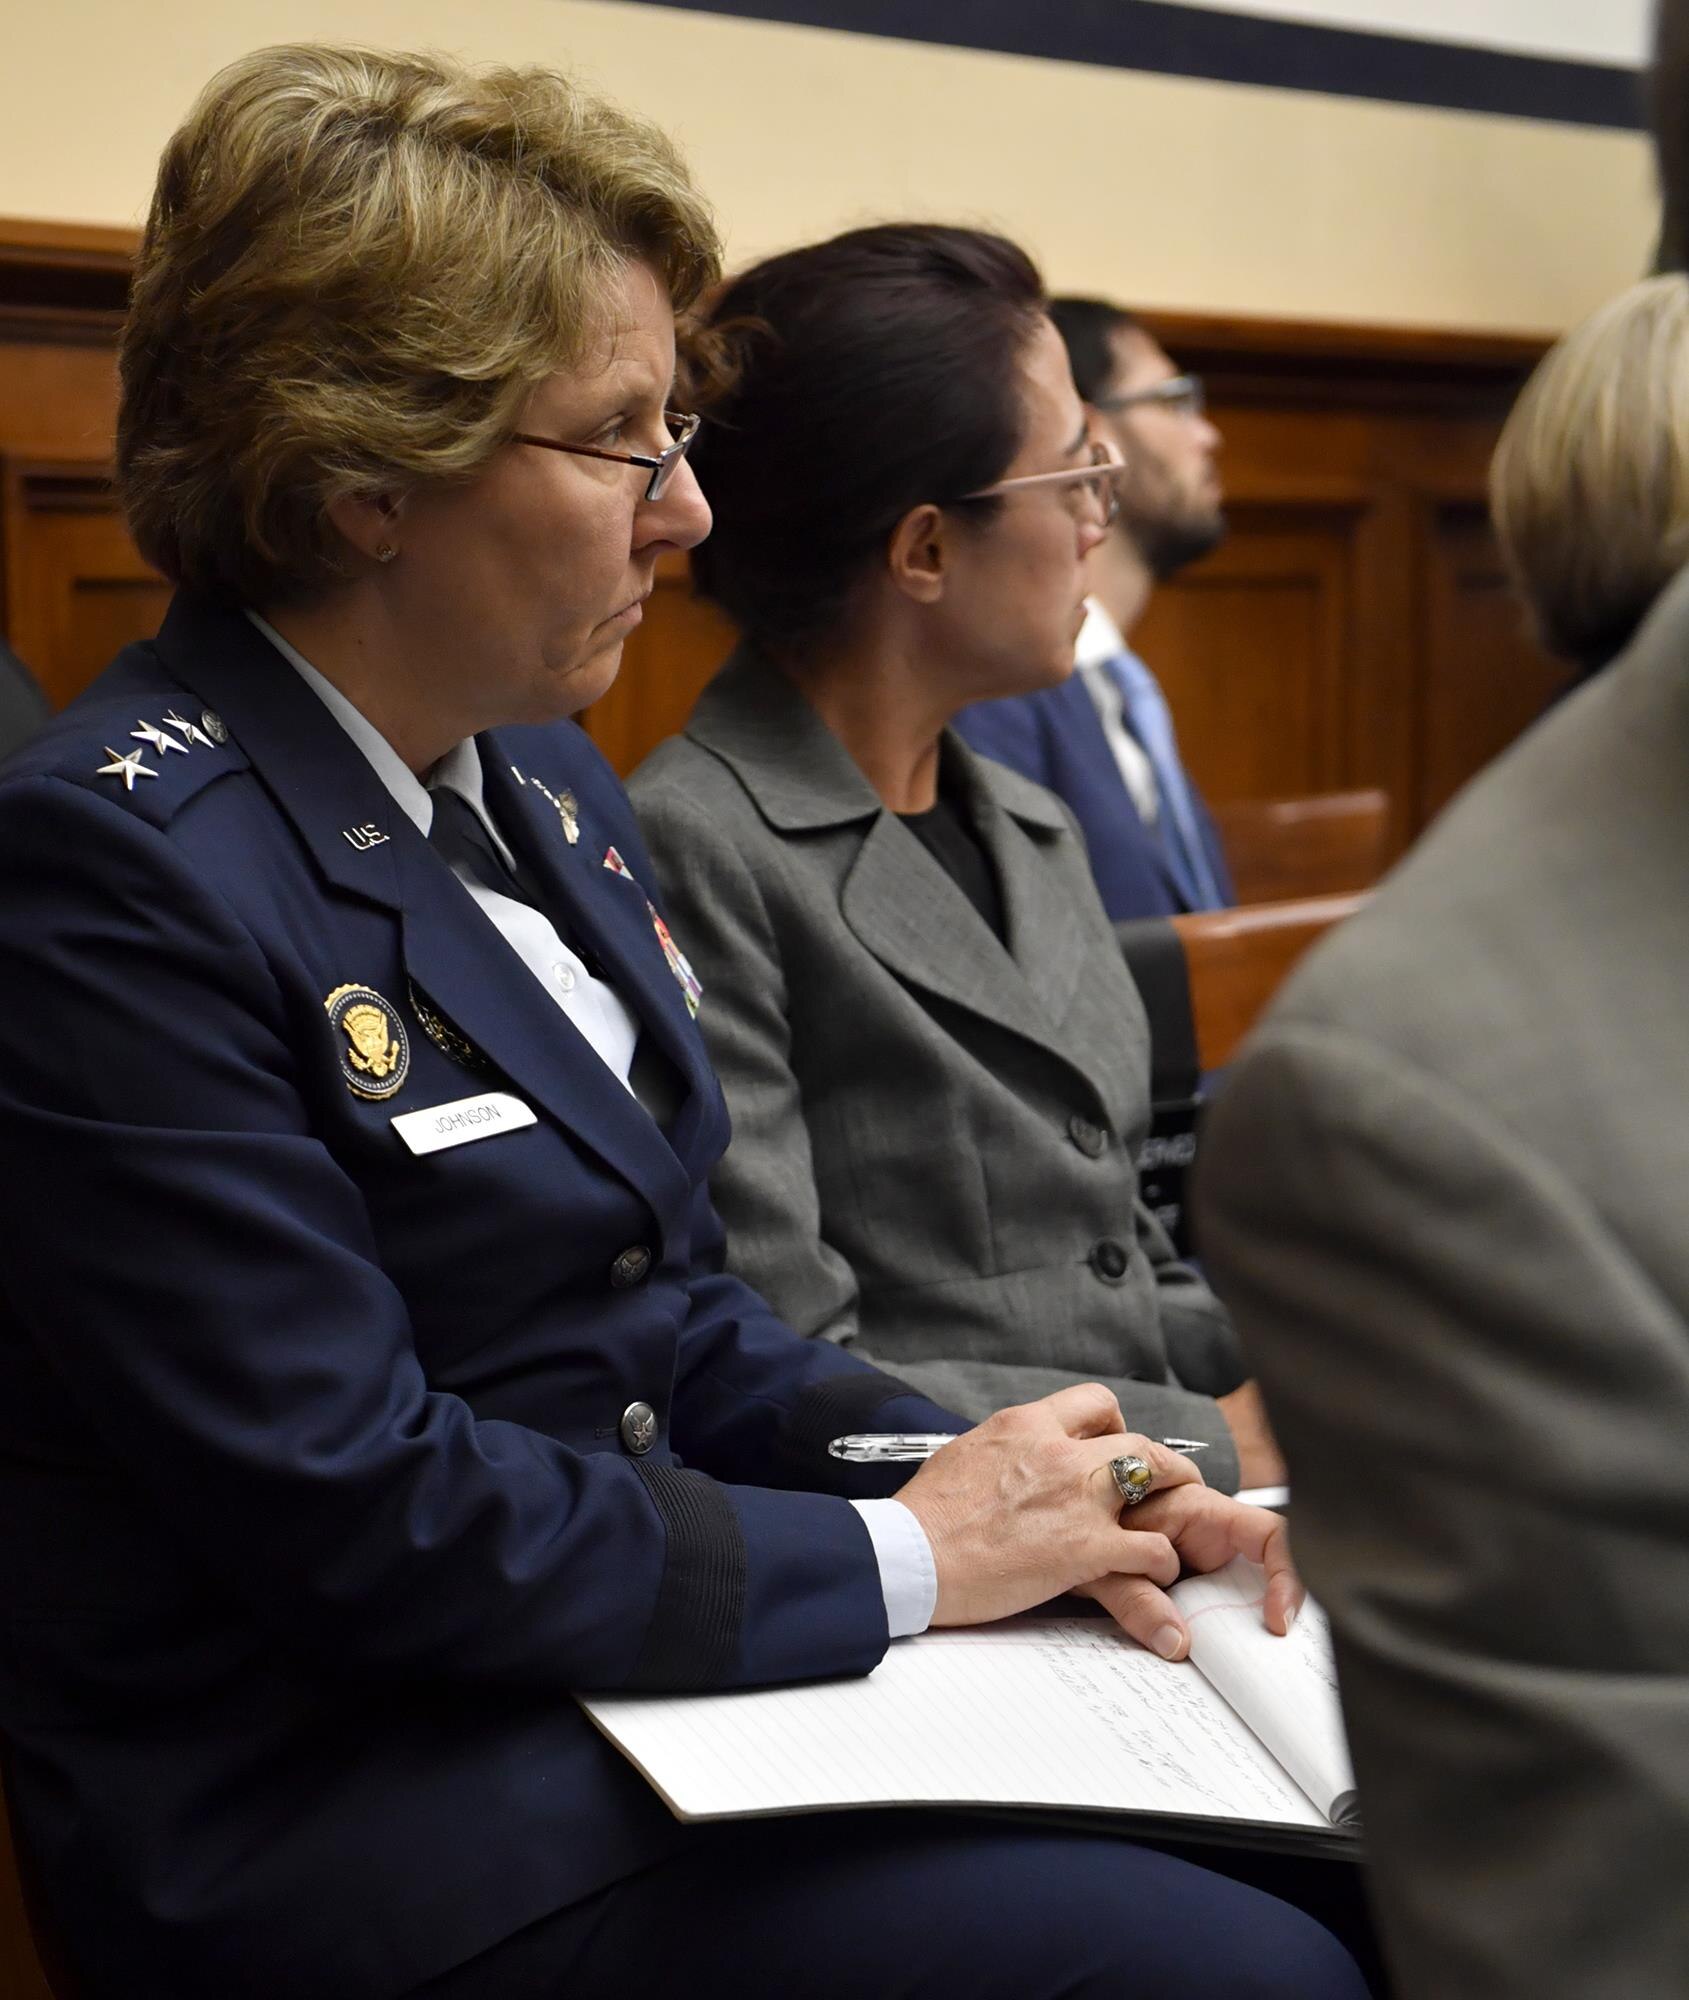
1146,715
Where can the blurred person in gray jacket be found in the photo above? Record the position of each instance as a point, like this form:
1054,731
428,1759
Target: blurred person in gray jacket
1444,1191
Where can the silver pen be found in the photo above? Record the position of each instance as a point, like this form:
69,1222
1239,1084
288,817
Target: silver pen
906,1447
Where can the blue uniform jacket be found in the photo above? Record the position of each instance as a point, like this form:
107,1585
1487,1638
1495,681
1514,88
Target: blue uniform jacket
315,1492
1055,738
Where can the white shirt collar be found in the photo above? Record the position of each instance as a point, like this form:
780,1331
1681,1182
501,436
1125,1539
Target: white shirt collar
460,768
1099,637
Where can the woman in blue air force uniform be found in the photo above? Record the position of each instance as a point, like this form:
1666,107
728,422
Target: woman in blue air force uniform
369,1377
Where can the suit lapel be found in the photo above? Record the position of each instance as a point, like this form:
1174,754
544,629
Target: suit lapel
325,786
895,898
906,910
1046,939
608,912
457,957
317,775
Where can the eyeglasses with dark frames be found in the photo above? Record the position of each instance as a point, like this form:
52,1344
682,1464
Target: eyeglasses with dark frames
662,467
1183,395
1096,478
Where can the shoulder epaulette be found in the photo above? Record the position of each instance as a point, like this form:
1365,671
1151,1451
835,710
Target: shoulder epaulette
153,754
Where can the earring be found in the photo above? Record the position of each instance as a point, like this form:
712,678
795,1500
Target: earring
385,553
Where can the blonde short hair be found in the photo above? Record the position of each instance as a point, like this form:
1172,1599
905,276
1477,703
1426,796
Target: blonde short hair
1590,482
356,267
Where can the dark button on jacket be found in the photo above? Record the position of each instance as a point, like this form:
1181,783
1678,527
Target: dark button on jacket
631,1268
1109,1260
1091,1139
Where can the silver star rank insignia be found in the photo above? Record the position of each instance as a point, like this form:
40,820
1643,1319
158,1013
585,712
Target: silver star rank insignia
158,738
191,730
128,768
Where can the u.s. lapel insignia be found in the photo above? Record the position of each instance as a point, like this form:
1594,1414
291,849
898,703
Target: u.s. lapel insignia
376,1058
690,986
447,1038
128,768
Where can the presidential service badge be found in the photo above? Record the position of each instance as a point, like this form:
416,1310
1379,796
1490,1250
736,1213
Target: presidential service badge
375,1057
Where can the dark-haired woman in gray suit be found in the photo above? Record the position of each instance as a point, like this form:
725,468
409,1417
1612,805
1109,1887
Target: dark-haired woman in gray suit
936,1062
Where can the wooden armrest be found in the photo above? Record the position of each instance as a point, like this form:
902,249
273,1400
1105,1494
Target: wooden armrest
1236,960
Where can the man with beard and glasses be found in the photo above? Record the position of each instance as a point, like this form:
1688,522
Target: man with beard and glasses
1104,741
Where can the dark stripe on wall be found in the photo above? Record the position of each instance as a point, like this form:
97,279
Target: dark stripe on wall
1170,40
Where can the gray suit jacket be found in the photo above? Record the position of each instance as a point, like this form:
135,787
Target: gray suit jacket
1446,1191
933,1135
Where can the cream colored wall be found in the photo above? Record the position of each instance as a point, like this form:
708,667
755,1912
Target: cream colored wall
1163,190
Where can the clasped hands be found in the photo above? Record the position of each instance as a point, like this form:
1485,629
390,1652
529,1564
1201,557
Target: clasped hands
1024,1507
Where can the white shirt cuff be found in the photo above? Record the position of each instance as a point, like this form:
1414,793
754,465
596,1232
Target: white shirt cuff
908,1579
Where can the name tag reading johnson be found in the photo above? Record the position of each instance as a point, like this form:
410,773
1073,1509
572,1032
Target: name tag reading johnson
463,1120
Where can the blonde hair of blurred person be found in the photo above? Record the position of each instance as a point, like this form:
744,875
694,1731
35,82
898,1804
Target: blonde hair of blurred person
1589,487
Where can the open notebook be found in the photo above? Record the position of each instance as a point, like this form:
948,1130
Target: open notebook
1243,1741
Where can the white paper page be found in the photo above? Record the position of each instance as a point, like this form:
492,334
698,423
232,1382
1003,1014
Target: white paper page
1051,1712
1285,1689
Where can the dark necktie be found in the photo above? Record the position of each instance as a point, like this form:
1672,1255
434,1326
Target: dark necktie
461,839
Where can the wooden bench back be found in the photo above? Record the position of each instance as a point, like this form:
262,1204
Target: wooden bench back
1236,960
1324,845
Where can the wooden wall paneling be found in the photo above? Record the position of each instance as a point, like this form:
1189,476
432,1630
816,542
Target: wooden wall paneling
666,662
1251,646
57,400
1328,645
1483,679
1393,433
63,282
76,589
1381,691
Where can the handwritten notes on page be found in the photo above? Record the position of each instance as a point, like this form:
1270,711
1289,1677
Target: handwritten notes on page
1053,1712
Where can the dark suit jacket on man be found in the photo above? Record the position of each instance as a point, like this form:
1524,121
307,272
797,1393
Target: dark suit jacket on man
934,1134
1055,738
1446,1193
317,1490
